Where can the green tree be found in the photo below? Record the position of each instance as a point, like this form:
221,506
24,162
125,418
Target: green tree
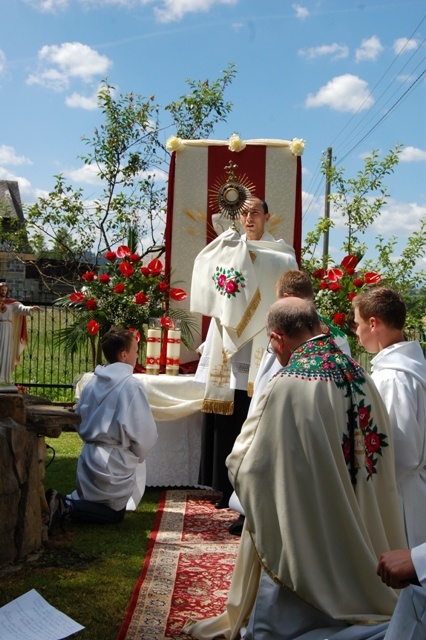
360,201
127,154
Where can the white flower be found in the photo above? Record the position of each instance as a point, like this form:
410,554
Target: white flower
297,146
235,143
174,144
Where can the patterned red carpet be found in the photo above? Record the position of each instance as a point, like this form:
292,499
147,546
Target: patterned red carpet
187,570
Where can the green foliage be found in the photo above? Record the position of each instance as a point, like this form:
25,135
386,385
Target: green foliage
360,200
85,565
127,155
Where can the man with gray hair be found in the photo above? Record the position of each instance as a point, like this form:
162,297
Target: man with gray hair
313,468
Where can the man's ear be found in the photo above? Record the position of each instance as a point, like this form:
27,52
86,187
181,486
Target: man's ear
374,323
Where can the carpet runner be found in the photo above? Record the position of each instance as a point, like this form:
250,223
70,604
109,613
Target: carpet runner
187,569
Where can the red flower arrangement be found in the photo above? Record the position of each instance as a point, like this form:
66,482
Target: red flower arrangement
338,286
124,293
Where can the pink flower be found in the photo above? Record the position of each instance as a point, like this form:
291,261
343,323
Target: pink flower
221,281
93,327
126,269
77,297
231,287
119,288
123,251
140,298
104,278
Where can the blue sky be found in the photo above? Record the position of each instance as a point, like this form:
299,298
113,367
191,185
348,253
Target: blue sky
339,73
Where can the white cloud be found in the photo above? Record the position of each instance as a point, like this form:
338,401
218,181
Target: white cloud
24,184
334,50
403,218
59,63
78,101
412,154
2,61
48,6
171,10
370,49
87,174
301,12
405,44
8,156
347,93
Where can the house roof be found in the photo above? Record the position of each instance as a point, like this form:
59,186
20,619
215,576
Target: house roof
10,200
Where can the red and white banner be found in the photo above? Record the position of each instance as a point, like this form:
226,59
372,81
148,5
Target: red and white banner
194,173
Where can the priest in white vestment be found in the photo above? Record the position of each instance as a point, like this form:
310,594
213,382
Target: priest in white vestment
313,468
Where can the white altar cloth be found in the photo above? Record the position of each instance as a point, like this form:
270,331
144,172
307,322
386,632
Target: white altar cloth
175,403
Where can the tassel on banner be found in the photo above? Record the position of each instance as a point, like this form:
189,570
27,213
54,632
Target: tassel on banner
221,407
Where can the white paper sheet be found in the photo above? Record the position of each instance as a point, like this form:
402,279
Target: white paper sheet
31,617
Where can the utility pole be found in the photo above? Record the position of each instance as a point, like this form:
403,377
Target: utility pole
326,206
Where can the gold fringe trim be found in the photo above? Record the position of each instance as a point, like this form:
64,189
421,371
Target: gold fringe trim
248,313
221,407
250,389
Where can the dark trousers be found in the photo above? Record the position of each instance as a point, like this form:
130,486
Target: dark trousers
217,439
94,512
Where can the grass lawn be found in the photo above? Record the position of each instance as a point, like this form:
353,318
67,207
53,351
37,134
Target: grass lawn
88,571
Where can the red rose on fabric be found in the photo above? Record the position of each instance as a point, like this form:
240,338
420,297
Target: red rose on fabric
119,288
77,297
221,280
93,327
231,287
339,319
347,449
111,256
335,286
363,417
123,251
126,269
319,273
134,257
177,294
91,304
372,442
334,274
140,298
145,271
323,284
104,278
349,262
369,463
163,286
352,295
358,282
155,267
89,276
372,277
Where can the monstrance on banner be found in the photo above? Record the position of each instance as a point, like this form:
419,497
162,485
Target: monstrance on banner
269,169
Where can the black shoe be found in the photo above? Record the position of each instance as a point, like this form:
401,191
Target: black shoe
58,509
223,503
236,527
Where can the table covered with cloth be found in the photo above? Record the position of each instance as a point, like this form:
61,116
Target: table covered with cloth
175,403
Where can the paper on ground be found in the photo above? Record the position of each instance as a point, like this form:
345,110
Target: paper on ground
30,617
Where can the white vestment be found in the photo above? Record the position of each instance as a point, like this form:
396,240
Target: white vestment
399,372
118,432
11,341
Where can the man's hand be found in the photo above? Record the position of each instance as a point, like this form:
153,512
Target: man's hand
396,568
